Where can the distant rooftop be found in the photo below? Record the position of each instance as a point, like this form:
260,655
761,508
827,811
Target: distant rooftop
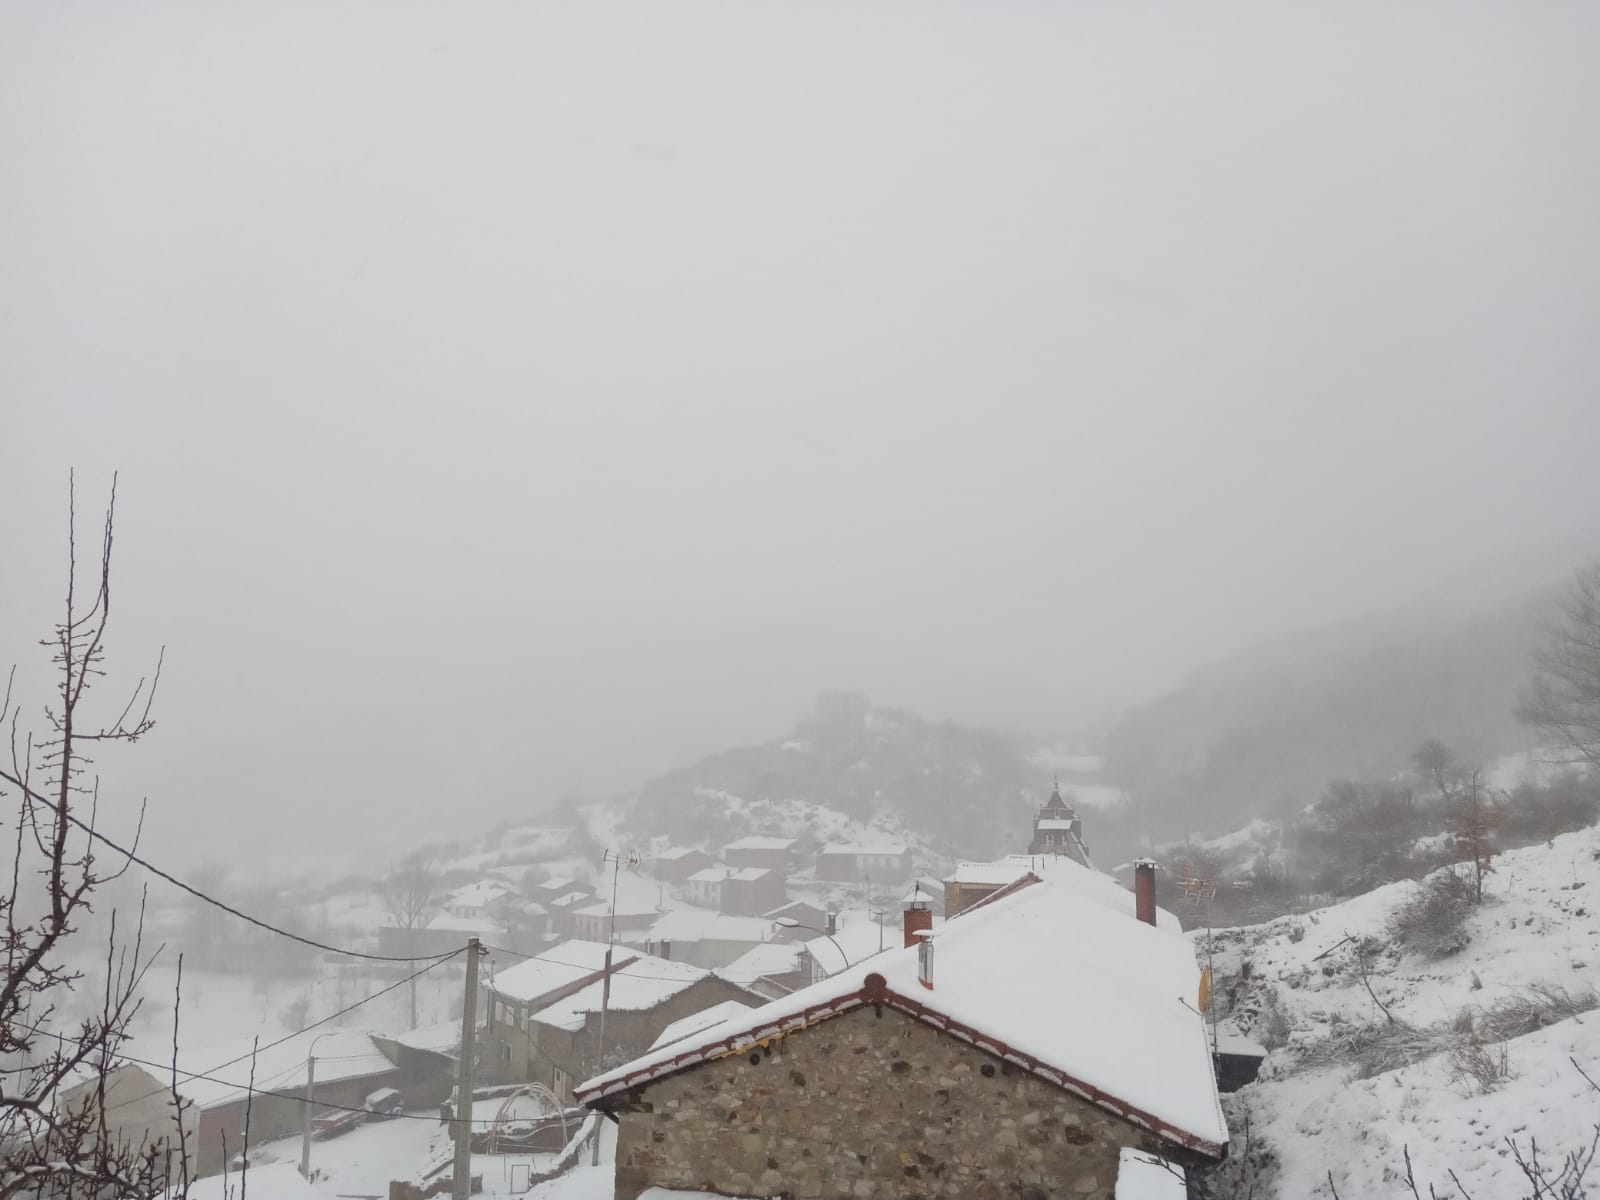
864,848
760,843
560,966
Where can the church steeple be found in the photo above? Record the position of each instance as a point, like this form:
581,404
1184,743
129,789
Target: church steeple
1058,829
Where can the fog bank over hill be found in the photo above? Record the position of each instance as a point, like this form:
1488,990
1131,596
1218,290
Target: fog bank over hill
1263,730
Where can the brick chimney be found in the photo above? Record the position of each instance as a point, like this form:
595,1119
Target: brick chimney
918,917
1144,890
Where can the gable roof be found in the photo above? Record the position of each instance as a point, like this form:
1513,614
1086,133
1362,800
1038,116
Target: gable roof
857,848
767,959
760,843
644,983
562,966
1079,995
1058,870
686,1026
703,925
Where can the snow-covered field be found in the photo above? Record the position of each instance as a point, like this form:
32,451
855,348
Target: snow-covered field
1539,924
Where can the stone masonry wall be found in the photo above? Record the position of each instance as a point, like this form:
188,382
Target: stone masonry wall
870,1105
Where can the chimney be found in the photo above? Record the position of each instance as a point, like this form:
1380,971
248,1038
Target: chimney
832,923
918,917
924,940
1144,890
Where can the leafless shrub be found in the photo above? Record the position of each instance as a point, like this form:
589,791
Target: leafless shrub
1536,1007
1273,1029
1477,1067
1432,921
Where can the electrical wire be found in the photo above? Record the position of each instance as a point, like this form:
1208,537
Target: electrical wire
334,1016
196,892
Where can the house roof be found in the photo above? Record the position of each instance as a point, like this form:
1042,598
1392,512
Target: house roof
562,884
784,910
624,909
858,942
571,900
699,924
767,959
1084,997
264,1181
710,875
559,967
751,874
674,853
643,984
686,1026
476,895
760,843
1059,871
343,1054
863,848
451,923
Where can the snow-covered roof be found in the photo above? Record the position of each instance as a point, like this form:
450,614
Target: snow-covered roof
571,899
559,884
988,874
449,923
863,848
560,966
644,983
343,1054
476,895
1055,823
1078,994
443,1038
265,1181
674,853
710,875
700,924
857,942
750,874
769,958
1060,871
688,1026
760,843
1142,1176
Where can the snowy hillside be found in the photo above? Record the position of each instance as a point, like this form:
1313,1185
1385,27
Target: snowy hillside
850,770
1456,1066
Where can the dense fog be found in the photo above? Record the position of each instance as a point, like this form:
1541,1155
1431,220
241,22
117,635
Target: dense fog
515,401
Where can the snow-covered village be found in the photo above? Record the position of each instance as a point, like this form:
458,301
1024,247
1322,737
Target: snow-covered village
670,599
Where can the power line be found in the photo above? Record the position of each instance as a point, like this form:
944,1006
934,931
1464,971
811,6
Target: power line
349,1008
196,892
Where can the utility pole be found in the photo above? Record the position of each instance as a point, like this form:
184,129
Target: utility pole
616,860
461,1181
305,1134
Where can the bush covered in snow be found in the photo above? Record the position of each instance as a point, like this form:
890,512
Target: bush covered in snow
1432,921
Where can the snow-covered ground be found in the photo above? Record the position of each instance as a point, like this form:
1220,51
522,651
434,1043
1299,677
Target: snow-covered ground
1539,924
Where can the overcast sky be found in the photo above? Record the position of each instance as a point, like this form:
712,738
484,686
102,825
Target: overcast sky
513,398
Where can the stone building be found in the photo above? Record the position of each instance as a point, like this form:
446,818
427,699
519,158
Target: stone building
1016,1053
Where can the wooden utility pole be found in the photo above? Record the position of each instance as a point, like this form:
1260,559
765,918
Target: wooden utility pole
461,1180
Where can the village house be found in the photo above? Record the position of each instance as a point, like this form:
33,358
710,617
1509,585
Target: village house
513,995
767,853
595,922
349,1067
557,887
771,969
704,887
850,943
706,939
751,891
641,999
676,863
1022,1050
807,919
970,883
852,862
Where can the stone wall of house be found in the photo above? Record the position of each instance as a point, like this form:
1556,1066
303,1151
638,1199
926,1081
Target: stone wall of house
870,1104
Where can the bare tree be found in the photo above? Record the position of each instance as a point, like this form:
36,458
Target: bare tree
55,1135
1472,822
1562,699
408,893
